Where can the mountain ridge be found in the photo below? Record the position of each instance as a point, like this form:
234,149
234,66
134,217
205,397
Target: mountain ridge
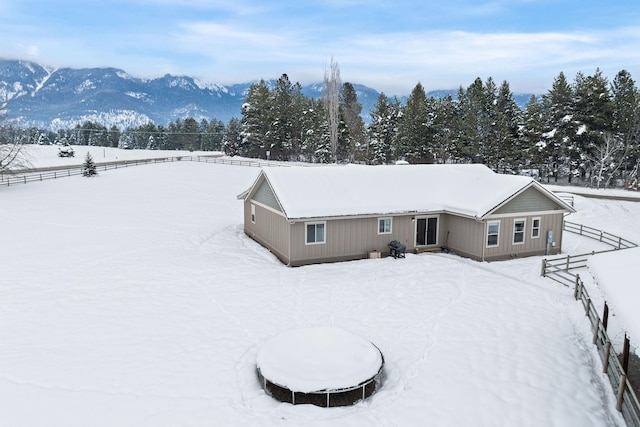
36,95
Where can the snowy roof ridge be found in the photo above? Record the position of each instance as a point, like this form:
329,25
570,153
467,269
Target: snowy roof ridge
466,189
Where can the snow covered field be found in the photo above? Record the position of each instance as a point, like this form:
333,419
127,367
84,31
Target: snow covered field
46,155
134,298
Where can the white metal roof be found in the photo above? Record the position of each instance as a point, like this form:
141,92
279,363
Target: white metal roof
336,190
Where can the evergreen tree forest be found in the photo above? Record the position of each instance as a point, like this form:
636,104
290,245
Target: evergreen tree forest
584,131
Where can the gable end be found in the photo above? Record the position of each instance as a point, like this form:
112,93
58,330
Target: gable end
530,200
265,195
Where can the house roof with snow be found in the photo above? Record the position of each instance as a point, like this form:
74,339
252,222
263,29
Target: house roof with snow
354,190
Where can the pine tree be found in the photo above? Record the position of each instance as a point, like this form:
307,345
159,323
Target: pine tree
415,128
534,145
114,136
444,130
353,122
323,149
559,129
284,120
309,121
232,140
473,122
626,121
88,167
593,112
381,132
256,120
507,131
213,135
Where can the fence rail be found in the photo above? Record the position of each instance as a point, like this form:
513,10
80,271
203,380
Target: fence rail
561,271
567,198
612,240
626,399
65,171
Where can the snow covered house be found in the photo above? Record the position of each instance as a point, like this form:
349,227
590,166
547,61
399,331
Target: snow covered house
307,215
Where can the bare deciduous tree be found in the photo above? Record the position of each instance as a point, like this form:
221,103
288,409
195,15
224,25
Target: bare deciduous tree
607,159
13,155
331,101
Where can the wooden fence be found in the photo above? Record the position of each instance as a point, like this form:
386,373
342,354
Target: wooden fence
567,198
616,242
626,399
65,171
561,270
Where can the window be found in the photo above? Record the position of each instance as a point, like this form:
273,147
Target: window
384,225
535,228
518,231
253,214
315,233
493,232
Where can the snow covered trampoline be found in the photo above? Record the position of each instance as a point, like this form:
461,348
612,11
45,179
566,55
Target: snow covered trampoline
322,366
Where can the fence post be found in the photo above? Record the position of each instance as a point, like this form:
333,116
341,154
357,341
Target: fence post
568,259
607,354
577,287
623,382
595,332
544,267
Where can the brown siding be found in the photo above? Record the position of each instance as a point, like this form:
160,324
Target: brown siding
466,236
270,229
349,239
506,248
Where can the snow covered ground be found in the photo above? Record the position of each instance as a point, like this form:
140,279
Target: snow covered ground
46,155
134,298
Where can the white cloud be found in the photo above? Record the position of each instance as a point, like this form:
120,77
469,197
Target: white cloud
207,33
451,56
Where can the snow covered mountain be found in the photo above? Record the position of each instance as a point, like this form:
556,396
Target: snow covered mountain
35,95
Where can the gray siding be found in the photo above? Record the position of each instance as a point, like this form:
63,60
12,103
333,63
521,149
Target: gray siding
264,194
530,200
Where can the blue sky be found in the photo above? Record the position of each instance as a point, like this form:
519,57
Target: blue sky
389,45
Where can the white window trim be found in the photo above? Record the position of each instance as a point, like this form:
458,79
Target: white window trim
253,213
390,219
533,220
524,231
486,241
306,240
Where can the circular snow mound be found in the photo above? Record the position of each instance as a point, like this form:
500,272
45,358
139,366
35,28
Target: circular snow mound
323,366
